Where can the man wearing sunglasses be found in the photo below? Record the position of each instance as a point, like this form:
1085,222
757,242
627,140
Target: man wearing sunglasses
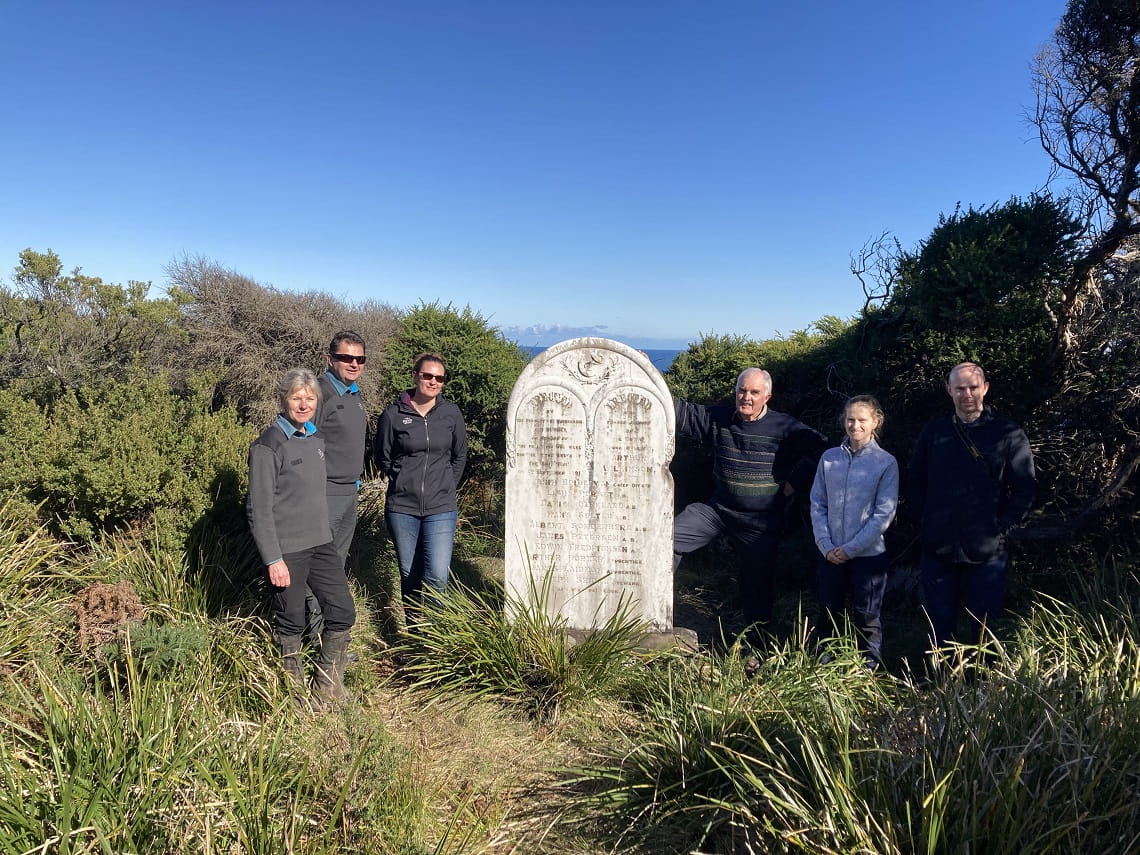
343,422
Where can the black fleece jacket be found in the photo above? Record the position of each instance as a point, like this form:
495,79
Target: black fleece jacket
422,456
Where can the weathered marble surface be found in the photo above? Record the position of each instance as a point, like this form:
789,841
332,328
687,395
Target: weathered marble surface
590,434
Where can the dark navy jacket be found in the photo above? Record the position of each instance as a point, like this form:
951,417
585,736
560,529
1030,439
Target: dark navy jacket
969,484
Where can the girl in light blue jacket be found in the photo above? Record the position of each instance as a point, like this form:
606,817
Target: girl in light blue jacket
853,500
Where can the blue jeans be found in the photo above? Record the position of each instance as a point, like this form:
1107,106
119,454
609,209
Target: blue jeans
423,550
860,581
947,584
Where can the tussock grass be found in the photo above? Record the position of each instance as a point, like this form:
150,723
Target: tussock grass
1035,751
171,731
147,762
32,604
726,744
475,643
174,731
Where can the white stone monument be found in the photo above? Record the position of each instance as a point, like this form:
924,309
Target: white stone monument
590,434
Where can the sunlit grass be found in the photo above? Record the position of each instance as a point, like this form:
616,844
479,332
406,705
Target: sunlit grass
1036,751
476,643
173,731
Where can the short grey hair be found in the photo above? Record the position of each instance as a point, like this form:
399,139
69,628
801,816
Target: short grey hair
294,379
763,374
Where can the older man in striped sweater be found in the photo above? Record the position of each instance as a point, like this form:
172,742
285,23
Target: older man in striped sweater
761,458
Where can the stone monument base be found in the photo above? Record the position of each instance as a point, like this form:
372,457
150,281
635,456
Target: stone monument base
678,638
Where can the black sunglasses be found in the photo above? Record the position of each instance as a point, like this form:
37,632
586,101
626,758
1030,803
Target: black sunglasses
438,378
347,357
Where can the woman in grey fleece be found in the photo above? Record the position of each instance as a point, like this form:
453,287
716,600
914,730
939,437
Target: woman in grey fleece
289,517
853,500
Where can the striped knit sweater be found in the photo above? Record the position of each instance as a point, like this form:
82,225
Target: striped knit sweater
752,460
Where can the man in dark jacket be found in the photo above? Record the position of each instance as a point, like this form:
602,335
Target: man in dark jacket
971,481
760,459
342,423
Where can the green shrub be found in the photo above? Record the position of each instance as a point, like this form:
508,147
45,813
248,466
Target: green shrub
706,373
162,649
127,456
24,451
61,331
977,289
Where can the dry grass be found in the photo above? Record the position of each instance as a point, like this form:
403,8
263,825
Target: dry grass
488,776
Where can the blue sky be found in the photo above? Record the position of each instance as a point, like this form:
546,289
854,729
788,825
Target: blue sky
651,170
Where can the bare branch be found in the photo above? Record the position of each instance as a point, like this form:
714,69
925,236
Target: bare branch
876,268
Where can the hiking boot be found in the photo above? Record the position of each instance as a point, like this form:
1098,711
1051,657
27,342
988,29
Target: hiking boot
328,679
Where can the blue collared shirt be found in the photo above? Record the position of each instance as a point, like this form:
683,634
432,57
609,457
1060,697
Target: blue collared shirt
341,389
290,430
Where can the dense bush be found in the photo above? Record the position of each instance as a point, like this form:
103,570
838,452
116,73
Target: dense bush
23,453
60,331
706,372
977,290
803,365
121,456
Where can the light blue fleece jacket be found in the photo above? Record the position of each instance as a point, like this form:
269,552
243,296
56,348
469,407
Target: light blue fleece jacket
854,498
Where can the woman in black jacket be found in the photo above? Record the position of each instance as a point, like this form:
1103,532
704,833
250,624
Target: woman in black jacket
421,446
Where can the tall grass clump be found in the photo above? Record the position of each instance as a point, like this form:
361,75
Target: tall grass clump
30,602
727,756
1034,751
163,766
474,642
131,721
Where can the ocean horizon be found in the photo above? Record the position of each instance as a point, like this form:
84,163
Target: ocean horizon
661,358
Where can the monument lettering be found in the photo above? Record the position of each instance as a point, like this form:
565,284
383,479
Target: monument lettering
590,433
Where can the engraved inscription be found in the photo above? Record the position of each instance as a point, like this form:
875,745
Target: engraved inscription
589,495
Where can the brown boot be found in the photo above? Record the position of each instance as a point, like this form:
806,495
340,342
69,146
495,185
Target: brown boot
328,679
289,646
